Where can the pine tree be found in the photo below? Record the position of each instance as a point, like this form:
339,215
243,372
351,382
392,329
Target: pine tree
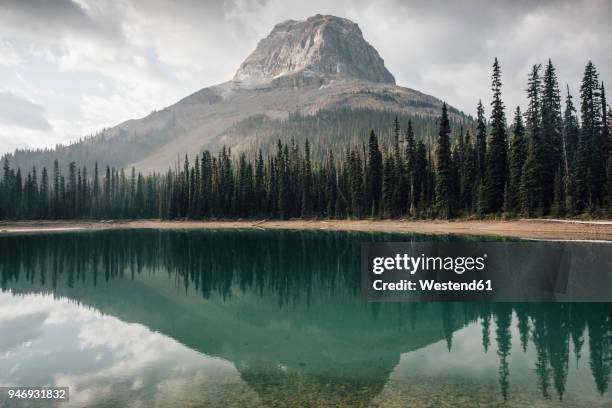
531,182
206,175
389,185
497,166
571,134
307,183
195,209
132,194
587,182
56,190
282,169
551,133
609,126
6,183
107,192
444,195
456,175
344,199
63,197
244,187
410,168
260,193
398,176
44,194
468,174
518,156
481,143
420,178
18,193
374,176
429,185
140,203
331,188
357,193
605,145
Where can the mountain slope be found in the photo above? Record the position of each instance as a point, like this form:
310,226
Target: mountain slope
323,63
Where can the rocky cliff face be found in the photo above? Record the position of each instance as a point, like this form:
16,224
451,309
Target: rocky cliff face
320,46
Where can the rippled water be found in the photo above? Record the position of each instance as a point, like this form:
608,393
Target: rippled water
255,318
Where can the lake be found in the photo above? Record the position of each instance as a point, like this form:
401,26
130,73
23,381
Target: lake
274,318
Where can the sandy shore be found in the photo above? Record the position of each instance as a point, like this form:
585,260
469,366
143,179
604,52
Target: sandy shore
529,229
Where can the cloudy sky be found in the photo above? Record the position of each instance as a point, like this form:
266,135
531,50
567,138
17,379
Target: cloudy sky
70,68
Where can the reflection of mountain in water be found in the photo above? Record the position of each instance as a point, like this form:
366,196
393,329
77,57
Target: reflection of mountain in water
285,308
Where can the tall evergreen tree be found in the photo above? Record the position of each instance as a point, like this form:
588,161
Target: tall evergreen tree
604,145
44,194
389,185
531,182
420,178
588,181
468,174
571,134
456,174
497,166
260,192
57,202
609,126
410,164
481,143
398,176
444,193
551,129
331,187
374,176
307,183
517,158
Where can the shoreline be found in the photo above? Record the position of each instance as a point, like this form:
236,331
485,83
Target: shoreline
546,229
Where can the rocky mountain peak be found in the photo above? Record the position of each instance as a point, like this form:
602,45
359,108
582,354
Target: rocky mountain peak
322,45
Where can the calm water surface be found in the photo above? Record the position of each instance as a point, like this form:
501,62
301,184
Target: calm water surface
245,318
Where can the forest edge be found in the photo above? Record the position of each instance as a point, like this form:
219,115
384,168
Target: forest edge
522,228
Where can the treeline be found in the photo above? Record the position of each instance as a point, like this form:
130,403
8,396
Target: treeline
332,130
547,163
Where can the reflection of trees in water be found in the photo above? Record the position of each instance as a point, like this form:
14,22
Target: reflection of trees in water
296,267
448,323
551,327
286,263
503,318
599,323
522,315
486,324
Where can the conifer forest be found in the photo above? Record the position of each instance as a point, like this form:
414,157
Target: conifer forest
551,159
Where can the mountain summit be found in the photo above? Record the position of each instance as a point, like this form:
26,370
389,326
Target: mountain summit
321,45
317,79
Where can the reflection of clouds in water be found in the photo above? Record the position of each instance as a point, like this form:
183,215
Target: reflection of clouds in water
466,357
55,341
20,330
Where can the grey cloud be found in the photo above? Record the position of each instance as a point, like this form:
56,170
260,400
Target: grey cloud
37,18
17,111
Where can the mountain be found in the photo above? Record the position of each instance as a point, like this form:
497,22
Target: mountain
303,68
320,46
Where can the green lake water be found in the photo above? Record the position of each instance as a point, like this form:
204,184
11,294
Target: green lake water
146,318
